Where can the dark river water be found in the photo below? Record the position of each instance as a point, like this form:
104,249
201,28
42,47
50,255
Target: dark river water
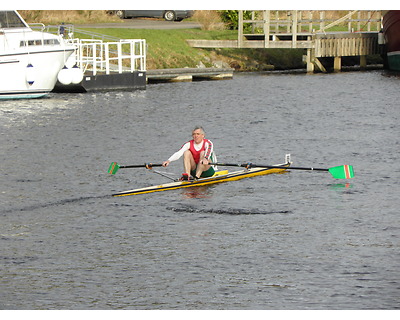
300,240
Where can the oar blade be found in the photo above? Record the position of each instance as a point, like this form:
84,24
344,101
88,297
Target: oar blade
342,172
113,168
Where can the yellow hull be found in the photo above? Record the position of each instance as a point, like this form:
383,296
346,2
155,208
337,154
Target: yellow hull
220,176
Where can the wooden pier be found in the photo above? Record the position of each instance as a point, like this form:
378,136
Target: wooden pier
188,74
302,30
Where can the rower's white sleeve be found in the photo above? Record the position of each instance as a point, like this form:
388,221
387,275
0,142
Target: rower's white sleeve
177,155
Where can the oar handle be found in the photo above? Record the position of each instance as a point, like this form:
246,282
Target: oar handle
253,165
115,166
146,165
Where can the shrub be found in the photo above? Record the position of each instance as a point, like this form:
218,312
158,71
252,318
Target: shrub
209,19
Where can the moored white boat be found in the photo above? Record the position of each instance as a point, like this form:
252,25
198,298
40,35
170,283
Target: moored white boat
30,61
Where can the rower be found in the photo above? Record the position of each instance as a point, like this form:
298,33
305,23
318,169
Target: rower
197,154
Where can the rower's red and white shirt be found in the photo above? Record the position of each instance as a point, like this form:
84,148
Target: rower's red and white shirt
196,149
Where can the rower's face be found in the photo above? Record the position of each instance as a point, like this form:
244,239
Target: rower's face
197,135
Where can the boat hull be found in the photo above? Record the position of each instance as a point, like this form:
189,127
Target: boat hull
393,59
18,81
391,30
219,178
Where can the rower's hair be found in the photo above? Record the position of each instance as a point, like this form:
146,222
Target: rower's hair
199,127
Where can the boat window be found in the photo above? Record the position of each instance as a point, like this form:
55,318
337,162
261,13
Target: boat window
34,42
46,42
9,19
50,42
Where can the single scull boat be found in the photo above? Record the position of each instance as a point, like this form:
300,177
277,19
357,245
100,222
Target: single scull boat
220,176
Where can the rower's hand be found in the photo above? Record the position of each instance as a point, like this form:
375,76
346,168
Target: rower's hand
205,162
166,163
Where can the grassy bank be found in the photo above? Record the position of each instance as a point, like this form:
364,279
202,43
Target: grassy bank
169,49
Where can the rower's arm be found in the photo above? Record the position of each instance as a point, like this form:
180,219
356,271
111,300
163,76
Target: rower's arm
177,155
208,150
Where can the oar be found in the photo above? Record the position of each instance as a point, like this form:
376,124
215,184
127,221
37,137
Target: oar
339,172
115,166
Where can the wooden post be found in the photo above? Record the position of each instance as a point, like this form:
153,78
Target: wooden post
337,64
322,20
253,25
299,20
240,29
310,64
267,20
369,21
319,65
363,62
294,29
349,24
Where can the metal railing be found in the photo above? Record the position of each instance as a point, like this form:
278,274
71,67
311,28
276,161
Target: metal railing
101,53
68,31
125,55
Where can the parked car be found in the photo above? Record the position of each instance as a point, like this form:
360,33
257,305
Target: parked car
169,15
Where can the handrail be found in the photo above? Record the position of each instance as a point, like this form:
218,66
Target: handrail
130,55
285,21
342,19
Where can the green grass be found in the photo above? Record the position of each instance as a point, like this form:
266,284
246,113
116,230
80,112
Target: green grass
169,49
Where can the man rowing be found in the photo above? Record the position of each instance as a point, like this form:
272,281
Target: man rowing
197,154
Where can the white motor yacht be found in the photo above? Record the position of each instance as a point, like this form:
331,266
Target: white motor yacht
30,61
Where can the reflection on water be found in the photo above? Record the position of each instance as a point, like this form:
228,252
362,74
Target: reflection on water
201,192
347,185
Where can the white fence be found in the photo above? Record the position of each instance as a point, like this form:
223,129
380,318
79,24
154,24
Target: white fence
126,55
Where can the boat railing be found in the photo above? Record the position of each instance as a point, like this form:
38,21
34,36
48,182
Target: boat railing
37,25
125,55
94,35
68,31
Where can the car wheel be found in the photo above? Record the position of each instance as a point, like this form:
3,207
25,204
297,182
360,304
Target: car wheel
169,15
120,14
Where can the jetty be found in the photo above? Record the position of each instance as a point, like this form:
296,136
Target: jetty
325,40
188,74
